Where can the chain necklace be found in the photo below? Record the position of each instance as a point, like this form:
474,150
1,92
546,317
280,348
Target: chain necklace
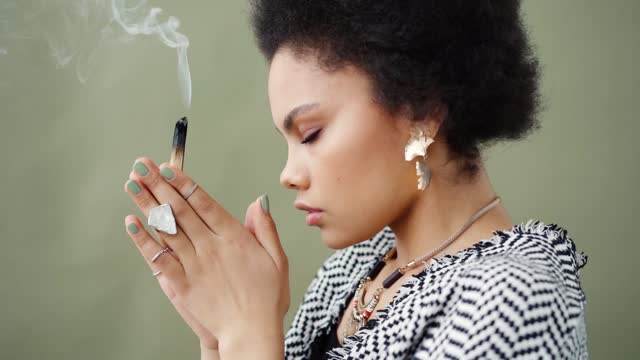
360,311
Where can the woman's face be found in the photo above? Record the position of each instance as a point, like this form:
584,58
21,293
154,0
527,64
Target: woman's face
351,165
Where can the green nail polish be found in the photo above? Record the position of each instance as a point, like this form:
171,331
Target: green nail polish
167,173
140,169
132,228
265,203
133,187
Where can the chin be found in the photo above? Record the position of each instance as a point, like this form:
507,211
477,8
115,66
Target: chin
339,240
333,240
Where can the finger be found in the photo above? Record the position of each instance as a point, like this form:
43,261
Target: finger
248,221
266,232
145,201
149,174
212,214
148,247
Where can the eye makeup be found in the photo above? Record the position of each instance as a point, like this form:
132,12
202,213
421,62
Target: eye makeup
311,138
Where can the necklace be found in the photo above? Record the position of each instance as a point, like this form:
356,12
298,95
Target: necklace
361,311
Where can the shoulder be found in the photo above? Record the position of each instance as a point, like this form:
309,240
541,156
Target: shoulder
511,288
507,308
535,254
519,297
529,257
533,271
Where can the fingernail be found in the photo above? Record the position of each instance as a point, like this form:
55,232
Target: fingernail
265,203
140,169
133,186
167,173
133,228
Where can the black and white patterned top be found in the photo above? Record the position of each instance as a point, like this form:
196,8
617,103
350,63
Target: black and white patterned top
515,295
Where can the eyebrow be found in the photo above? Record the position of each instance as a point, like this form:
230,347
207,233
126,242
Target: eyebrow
297,111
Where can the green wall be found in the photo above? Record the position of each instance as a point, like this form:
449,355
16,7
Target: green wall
75,287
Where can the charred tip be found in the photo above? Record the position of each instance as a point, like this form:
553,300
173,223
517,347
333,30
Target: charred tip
180,132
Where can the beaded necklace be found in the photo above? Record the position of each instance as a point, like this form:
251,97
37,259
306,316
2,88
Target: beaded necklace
360,311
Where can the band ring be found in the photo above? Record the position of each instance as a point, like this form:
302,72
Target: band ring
156,256
157,273
191,190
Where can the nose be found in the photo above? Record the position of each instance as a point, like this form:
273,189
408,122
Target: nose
294,175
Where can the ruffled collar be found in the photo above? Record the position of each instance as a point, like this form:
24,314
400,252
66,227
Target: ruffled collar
532,227
526,230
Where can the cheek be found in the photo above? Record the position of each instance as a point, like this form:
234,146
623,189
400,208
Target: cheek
363,177
368,185
343,165
359,158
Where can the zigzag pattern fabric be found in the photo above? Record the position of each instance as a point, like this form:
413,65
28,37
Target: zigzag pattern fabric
516,295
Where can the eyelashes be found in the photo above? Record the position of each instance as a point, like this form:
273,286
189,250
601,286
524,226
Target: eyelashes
311,138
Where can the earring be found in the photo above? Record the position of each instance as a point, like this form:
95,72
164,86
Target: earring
417,146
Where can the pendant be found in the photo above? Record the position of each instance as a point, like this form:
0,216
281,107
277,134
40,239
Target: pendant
361,312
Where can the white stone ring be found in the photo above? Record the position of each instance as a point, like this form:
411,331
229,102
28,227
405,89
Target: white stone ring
161,218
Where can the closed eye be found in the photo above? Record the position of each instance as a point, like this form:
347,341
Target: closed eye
311,138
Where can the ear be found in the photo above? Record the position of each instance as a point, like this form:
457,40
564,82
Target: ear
435,118
430,123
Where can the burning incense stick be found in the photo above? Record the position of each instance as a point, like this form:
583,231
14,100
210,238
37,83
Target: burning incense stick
179,141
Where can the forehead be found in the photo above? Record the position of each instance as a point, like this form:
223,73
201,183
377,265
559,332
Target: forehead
295,80
291,75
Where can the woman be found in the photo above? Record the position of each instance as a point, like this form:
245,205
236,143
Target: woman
385,107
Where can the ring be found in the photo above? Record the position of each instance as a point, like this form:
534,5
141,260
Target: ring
157,273
156,256
191,190
161,218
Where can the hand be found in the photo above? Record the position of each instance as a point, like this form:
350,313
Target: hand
226,275
208,342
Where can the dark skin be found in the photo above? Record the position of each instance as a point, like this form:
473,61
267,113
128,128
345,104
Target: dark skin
207,276
359,155
358,140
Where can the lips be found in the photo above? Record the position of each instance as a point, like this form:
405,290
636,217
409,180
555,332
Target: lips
305,207
314,215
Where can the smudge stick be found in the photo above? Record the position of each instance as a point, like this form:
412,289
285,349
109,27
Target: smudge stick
179,141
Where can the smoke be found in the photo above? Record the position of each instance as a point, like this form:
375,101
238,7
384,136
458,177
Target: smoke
134,23
75,31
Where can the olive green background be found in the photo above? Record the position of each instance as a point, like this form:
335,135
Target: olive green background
75,287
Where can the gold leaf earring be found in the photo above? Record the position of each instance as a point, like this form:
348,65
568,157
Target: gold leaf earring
417,146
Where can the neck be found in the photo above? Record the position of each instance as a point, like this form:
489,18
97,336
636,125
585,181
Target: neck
440,211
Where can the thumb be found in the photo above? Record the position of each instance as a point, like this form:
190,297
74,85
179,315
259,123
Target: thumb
248,220
260,222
